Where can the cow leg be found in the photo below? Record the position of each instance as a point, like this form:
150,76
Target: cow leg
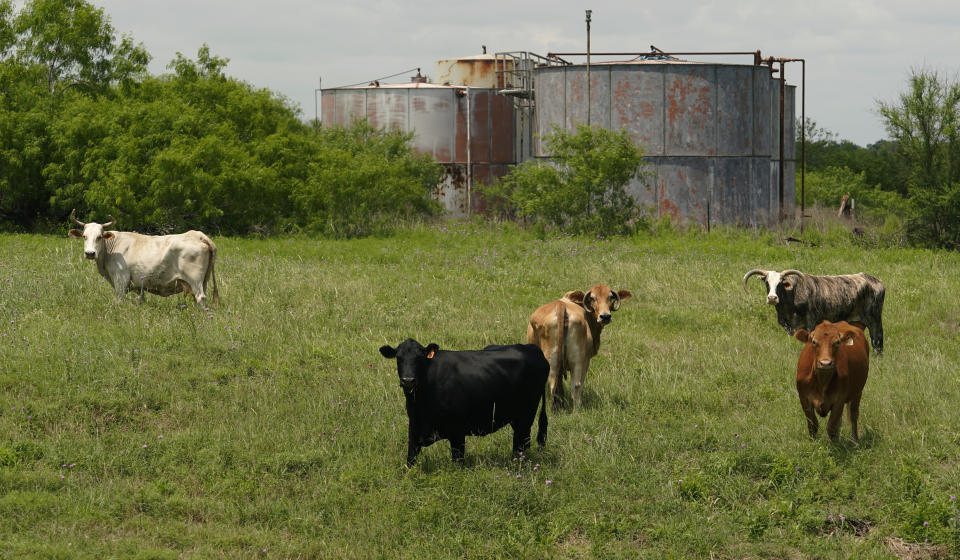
521,436
413,448
121,282
577,374
195,288
853,413
457,448
833,424
555,380
812,423
876,336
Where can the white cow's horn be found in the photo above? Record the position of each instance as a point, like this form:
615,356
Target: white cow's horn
73,216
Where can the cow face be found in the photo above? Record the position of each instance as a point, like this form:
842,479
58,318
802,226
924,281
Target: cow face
411,361
826,340
93,235
779,286
600,301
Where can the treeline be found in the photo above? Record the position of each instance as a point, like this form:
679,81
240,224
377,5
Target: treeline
911,180
84,125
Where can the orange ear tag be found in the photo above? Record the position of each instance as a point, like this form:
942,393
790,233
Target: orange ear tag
430,354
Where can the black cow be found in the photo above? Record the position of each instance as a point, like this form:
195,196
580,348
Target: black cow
451,394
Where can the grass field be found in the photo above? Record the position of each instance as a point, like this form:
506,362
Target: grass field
270,426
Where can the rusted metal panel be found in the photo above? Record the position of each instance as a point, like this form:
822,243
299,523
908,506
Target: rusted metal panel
550,92
503,130
683,189
432,116
637,105
388,109
691,126
474,71
734,114
764,133
481,125
451,192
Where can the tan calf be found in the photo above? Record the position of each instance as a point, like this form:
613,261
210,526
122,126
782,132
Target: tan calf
568,332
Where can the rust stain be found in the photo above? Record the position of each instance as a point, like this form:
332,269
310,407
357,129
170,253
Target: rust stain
669,208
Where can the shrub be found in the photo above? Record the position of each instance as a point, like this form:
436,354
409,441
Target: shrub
582,188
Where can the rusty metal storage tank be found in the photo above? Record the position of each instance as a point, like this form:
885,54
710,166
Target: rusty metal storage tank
469,130
710,132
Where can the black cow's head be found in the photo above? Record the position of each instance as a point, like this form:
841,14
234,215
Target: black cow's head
411,361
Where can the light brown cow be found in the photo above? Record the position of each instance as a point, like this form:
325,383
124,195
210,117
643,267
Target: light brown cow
568,332
162,265
831,372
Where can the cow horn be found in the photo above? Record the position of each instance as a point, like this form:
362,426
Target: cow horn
751,273
791,271
73,217
616,300
111,222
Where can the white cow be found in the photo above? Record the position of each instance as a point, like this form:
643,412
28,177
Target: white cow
162,265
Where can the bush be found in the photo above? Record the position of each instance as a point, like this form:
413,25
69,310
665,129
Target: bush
582,189
828,185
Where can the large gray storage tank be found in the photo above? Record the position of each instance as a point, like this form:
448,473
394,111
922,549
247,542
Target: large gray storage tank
711,133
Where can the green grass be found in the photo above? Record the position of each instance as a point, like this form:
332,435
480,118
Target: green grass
270,426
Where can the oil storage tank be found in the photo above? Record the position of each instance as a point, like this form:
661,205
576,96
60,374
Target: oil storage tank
466,127
710,132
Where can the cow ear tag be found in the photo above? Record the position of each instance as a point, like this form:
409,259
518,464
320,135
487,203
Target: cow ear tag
430,354
850,341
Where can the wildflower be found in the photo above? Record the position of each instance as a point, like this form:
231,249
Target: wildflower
743,445
159,437
72,465
549,481
144,446
952,498
925,523
519,475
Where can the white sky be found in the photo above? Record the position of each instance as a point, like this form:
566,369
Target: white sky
857,51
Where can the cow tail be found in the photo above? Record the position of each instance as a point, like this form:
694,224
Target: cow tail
211,274
542,422
561,337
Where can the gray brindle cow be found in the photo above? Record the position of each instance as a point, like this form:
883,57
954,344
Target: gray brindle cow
163,265
804,300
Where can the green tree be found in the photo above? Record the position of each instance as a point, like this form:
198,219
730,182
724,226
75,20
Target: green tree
74,44
924,123
363,181
584,186
826,186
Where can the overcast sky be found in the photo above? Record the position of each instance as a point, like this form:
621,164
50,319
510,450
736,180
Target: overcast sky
857,51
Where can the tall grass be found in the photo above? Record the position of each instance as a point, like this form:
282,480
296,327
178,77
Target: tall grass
270,427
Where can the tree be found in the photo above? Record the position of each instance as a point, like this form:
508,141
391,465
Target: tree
925,125
583,188
74,44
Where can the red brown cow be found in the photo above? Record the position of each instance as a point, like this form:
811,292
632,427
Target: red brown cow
568,332
831,372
